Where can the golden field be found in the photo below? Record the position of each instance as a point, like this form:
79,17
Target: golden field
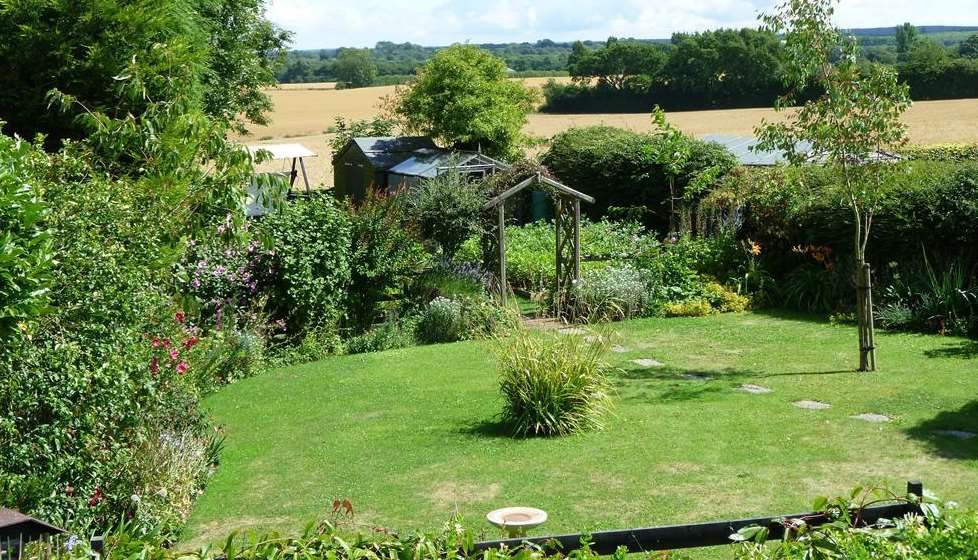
303,112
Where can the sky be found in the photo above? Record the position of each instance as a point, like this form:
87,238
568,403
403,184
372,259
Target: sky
362,23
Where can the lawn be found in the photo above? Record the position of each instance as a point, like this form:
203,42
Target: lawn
410,436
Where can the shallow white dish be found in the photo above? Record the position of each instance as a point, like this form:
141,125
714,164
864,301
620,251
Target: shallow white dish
516,520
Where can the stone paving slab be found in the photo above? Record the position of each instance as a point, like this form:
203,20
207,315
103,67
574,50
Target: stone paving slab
572,330
619,349
754,389
872,417
812,405
648,362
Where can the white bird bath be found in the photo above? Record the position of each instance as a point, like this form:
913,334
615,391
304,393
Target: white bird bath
517,520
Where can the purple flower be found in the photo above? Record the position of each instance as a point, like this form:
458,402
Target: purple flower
219,270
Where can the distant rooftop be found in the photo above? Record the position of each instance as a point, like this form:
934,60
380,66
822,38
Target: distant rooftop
387,151
742,147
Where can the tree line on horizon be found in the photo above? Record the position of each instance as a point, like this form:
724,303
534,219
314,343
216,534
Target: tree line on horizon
389,62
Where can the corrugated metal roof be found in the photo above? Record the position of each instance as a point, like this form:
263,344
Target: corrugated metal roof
386,152
742,147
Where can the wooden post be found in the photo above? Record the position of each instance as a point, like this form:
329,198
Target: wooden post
503,288
305,177
558,224
577,239
870,322
864,315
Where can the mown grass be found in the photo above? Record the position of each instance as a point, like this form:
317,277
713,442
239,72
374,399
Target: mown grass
410,436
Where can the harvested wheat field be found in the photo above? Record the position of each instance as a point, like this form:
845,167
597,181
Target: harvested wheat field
304,112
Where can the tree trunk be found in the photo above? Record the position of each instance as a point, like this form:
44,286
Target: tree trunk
864,312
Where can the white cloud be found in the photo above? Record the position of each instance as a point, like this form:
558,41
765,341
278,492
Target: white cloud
332,23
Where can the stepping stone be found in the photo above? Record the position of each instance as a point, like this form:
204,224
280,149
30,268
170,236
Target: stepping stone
572,330
592,339
618,349
812,405
872,417
957,434
697,376
648,362
754,389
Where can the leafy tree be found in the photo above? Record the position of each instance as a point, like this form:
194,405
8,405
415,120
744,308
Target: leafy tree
446,209
856,116
462,97
969,47
355,67
906,37
384,256
26,254
726,64
617,64
218,54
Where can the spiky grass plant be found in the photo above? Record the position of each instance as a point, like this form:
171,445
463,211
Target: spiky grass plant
553,384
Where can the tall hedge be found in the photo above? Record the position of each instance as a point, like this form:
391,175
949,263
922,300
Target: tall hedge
618,167
926,205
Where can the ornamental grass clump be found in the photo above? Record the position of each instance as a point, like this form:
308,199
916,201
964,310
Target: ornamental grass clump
553,384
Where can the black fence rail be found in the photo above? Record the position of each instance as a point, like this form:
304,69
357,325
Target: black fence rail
697,535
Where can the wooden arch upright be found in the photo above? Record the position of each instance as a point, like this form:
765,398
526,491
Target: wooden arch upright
567,225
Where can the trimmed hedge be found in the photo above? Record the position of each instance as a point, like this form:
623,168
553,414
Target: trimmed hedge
929,205
942,152
618,168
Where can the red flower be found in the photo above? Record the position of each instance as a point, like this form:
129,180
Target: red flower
154,366
180,317
96,497
167,343
182,368
156,343
190,342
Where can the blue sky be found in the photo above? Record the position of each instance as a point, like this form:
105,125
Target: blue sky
359,23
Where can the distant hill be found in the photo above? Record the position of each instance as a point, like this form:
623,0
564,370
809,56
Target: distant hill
924,29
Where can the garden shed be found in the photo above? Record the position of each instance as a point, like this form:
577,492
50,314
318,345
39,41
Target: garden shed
391,163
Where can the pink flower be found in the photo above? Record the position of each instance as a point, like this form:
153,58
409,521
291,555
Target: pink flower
167,343
156,343
180,317
190,342
182,368
154,366
174,354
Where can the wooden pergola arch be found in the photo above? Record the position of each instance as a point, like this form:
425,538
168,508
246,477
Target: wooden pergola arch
567,225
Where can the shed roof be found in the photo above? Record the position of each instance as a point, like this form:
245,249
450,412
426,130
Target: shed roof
743,148
387,151
284,151
14,520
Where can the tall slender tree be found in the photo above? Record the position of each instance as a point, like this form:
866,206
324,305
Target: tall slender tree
848,125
